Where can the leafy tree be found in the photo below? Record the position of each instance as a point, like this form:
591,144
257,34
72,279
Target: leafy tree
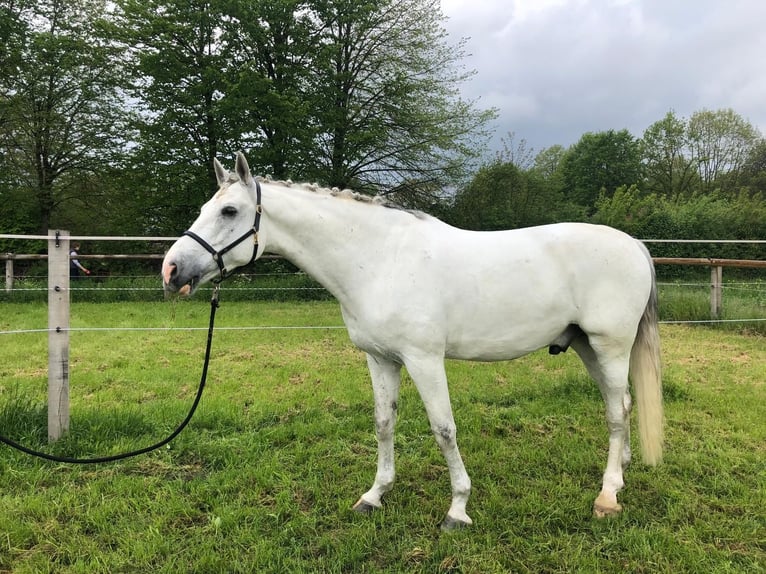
601,162
61,115
548,162
627,209
341,92
754,169
388,103
502,196
179,65
548,169
271,90
666,148
720,143
13,29
516,152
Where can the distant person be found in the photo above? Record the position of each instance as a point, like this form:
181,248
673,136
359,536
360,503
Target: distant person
74,265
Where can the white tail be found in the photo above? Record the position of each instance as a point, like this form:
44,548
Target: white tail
646,375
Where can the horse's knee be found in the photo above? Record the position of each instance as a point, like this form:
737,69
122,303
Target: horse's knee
445,433
384,428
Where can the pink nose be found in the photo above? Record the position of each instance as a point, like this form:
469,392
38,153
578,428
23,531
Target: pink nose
167,271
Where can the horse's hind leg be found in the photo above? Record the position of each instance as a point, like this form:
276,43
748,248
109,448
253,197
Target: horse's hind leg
608,364
431,381
385,384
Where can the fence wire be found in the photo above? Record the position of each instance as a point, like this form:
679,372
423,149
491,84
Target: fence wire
744,287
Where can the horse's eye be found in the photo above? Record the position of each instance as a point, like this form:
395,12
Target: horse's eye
229,211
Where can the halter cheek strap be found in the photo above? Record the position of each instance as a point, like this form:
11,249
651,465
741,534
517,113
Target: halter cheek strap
218,254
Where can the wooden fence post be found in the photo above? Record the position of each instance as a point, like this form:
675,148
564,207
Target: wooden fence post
9,272
716,291
58,334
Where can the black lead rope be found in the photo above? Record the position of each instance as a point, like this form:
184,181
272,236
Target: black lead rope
174,434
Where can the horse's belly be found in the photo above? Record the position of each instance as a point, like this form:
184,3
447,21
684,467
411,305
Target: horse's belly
510,342
488,352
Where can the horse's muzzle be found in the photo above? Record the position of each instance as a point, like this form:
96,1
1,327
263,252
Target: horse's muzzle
171,281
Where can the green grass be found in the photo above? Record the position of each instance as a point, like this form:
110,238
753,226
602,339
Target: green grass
264,478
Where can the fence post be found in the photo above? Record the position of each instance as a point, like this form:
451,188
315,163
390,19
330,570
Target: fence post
58,334
9,272
716,291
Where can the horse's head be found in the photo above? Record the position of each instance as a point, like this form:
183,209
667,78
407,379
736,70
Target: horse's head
223,237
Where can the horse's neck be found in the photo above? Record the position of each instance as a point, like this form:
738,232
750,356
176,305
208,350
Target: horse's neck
329,238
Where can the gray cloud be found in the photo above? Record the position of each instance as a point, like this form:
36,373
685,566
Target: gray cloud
556,69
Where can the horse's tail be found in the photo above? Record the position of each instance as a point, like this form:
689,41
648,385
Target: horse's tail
646,375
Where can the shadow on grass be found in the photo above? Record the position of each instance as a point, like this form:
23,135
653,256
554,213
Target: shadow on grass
93,432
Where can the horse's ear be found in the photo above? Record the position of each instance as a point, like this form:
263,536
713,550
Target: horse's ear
220,172
243,170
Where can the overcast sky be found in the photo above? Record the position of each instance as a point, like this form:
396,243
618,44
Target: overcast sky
556,69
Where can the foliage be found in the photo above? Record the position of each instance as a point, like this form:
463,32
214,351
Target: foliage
177,70
712,216
283,444
600,162
391,117
111,114
501,196
61,118
720,142
348,94
702,178
272,84
670,169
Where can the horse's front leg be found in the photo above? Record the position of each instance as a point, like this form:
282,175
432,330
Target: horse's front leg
431,381
386,377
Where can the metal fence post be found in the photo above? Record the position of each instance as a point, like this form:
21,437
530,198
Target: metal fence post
58,334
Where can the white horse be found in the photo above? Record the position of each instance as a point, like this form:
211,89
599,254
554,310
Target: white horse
414,290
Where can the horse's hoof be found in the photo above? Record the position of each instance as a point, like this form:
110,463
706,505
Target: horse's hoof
364,507
600,511
449,524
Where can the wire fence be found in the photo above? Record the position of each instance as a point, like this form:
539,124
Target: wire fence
681,302
278,283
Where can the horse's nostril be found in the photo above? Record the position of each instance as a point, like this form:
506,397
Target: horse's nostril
169,271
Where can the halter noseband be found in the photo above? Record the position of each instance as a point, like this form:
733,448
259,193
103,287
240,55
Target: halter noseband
218,255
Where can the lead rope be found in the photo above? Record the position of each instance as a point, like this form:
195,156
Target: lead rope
174,434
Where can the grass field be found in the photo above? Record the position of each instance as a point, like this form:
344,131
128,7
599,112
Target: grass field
264,478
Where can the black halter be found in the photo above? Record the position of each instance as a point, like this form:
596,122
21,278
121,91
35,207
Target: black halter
218,255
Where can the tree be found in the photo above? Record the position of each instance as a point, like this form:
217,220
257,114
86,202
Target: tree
601,161
389,109
13,29
754,169
720,142
62,118
666,148
516,152
502,196
548,162
179,66
340,92
272,90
